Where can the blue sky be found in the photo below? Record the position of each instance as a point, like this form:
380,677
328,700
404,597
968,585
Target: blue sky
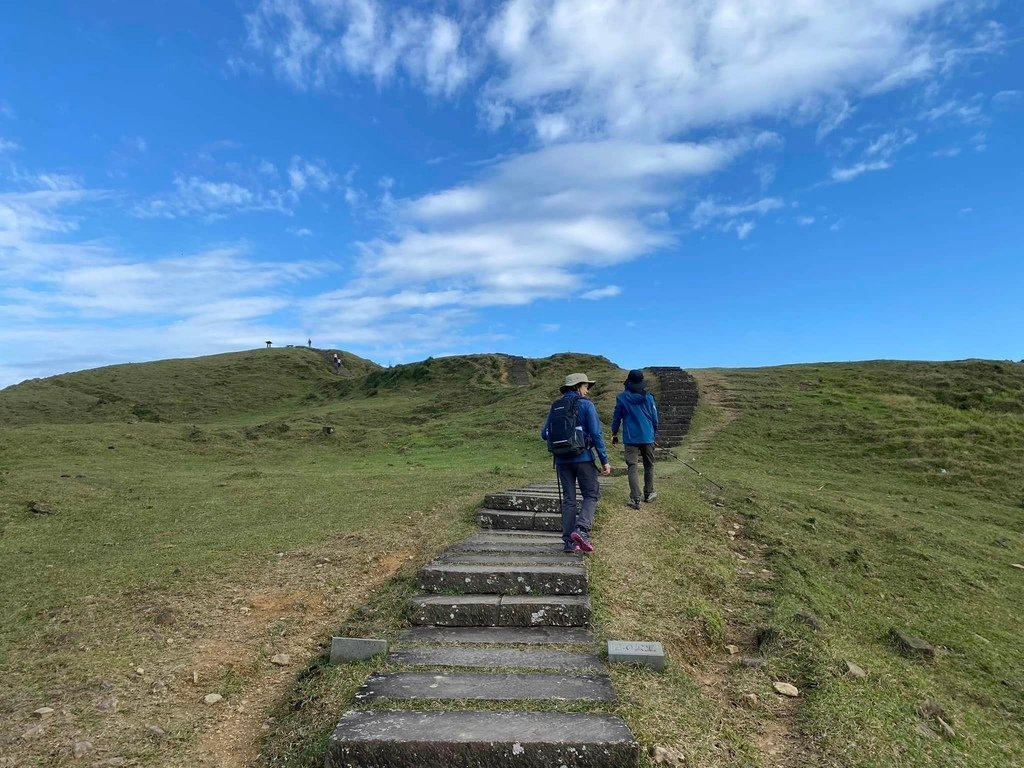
723,182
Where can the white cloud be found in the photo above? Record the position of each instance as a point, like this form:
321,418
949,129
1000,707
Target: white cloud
888,144
309,42
8,146
744,228
91,303
244,192
303,173
1008,99
805,221
637,69
709,210
852,172
602,293
956,110
690,64
300,231
531,226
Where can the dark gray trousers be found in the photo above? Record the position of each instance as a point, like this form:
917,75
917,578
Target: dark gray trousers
646,453
585,474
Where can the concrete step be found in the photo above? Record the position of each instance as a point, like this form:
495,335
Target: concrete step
512,536
482,686
500,610
531,502
425,739
510,559
568,579
494,635
494,658
496,519
549,548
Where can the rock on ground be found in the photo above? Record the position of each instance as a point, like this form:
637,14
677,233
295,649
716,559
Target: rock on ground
786,689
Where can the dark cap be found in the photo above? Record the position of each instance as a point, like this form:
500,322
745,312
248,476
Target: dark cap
635,377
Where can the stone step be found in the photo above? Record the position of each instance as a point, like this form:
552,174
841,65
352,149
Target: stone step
510,559
549,548
531,502
513,536
425,739
493,658
482,686
496,519
500,610
567,579
493,635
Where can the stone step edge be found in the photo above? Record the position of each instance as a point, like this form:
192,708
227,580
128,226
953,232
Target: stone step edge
422,739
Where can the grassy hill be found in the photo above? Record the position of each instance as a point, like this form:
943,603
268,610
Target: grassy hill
198,518
193,389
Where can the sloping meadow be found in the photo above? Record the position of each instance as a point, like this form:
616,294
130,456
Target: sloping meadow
204,516
890,496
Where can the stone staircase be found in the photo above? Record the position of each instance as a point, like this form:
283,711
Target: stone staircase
518,371
677,400
504,616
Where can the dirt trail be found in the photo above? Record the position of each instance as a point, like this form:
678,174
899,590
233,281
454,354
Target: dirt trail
779,739
223,643
715,394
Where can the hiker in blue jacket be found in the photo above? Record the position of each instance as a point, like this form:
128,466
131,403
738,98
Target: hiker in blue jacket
637,414
573,469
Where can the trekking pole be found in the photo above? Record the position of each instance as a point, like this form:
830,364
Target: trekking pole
694,469
558,482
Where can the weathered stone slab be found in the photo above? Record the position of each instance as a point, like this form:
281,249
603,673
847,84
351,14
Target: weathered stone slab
635,652
503,520
568,579
532,658
514,686
544,521
355,648
523,502
514,537
523,548
511,558
516,635
427,739
455,610
554,611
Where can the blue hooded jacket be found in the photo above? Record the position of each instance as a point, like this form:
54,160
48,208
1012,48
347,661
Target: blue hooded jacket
637,413
586,417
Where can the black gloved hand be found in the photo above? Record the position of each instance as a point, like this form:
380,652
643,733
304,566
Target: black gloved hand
615,439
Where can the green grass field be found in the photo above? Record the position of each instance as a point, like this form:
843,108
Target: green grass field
201,520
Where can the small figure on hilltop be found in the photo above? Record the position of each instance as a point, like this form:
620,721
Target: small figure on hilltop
637,413
572,431
336,362
309,343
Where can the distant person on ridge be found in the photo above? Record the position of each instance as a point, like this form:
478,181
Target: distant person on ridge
637,414
572,431
336,362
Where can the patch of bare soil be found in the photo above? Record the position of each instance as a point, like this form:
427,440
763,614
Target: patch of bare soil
156,713
773,717
715,393
778,737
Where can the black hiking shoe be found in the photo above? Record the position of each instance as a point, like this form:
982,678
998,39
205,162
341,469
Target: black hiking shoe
651,496
633,503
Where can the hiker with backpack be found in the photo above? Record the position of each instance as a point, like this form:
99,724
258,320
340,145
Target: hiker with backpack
637,414
572,432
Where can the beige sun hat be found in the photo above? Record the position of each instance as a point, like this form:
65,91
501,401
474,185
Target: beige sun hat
577,378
